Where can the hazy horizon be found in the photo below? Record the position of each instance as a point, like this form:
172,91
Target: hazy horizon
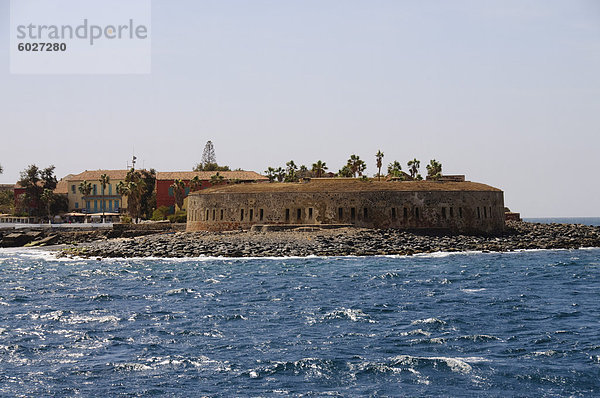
505,92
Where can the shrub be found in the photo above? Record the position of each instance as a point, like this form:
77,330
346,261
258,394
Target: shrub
161,213
180,216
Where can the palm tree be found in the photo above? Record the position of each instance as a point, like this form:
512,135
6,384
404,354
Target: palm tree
216,179
413,167
47,198
178,187
319,168
280,174
434,169
379,157
104,181
85,188
395,169
356,165
196,184
291,175
270,173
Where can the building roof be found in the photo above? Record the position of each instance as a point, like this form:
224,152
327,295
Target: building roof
62,187
348,185
94,175
206,175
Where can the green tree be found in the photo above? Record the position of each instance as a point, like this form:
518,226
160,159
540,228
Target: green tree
345,171
280,174
395,169
413,168
290,172
178,187
138,191
319,168
104,181
271,174
434,169
379,157
209,160
85,188
35,180
303,172
47,198
356,165
148,194
1,169
7,202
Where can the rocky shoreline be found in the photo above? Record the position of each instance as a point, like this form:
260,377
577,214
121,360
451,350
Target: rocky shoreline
338,242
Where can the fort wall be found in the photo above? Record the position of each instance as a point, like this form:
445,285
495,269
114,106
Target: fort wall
452,209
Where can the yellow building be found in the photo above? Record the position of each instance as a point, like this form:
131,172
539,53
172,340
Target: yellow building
99,200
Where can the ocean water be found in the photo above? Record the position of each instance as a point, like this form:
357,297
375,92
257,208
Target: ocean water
474,324
595,221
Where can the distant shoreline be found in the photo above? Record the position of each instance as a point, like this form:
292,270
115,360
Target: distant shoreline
590,221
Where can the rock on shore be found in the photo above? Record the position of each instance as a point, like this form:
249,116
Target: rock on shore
339,242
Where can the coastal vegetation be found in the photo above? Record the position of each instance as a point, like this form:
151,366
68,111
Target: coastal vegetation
138,187
355,167
104,181
395,169
379,157
209,160
413,169
178,188
434,169
35,182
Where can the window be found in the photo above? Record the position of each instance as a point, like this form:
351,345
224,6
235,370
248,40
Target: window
340,213
490,212
214,214
405,212
460,212
298,214
417,213
221,214
485,212
242,215
73,189
478,213
310,213
451,212
95,189
206,219
88,204
171,191
251,214
110,205
393,213
187,191
95,205
261,213
109,189
365,213
287,214
77,205
353,213
443,212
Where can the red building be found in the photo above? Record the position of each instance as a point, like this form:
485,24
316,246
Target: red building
166,197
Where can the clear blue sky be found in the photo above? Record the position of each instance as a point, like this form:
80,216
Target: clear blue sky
506,92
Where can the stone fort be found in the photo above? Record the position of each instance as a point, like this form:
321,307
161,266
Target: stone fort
454,206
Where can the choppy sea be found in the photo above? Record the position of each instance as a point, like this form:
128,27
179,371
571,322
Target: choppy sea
472,324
